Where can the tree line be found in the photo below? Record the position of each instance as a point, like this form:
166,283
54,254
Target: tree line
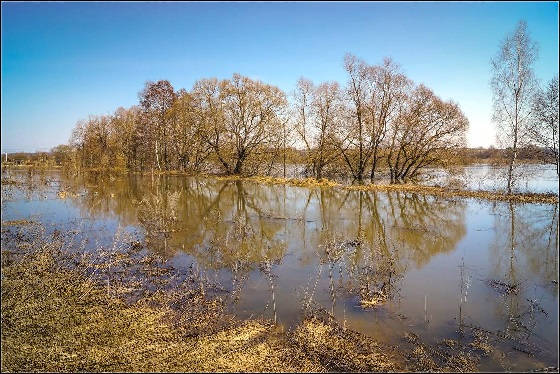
378,118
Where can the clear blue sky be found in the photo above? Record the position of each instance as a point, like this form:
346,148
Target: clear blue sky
64,61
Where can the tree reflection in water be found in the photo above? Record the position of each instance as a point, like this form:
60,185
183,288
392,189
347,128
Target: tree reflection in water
361,255
366,240
353,245
525,270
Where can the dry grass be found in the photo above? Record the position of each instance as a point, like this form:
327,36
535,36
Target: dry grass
547,198
341,349
57,318
298,182
58,314
17,222
64,309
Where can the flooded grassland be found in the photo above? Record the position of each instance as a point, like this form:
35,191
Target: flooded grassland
189,273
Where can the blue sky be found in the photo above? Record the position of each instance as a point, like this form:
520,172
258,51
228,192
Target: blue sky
64,61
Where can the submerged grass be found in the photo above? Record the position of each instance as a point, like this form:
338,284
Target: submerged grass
547,198
65,309
56,317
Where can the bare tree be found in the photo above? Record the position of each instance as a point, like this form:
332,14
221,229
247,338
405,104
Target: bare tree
241,119
209,114
77,140
389,87
426,131
318,114
513,85
544,129
242,126
124,137
189,150
355,144
252,116
156,99
373,95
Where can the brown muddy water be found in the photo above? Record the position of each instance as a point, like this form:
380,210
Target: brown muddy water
383,264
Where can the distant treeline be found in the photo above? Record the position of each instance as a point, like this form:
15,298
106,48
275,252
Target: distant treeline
378,119
63,156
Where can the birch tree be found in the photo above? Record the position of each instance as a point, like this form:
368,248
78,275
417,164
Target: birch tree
513,86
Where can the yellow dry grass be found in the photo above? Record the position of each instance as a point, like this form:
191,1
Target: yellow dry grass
546,198
341,349
56,317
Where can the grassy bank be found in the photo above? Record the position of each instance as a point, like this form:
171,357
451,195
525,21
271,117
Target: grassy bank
117,309
547,198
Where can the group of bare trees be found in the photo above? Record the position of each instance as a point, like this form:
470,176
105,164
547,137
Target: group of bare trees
244,126
524,113
229,121
379,115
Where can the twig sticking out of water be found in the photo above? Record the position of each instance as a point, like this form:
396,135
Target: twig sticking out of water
504,288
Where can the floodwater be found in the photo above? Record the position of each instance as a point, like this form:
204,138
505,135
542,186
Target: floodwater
382,263
535,178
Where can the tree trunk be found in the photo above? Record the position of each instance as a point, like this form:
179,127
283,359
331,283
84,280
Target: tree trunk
157,157
373,166
514,150
510,171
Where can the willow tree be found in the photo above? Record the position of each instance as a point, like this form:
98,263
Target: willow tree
253,110
189,151
92,138
209,114
373,96
513,86
425,132
242,119
355,144
388,87
125,137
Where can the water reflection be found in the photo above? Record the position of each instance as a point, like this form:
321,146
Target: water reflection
223,223
365,241
525,275
277,251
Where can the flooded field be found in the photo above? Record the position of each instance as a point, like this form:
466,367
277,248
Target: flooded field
536,178
386,265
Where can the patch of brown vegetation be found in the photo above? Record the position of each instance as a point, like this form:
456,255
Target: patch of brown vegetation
546,198
56,317
448,355
17,222
341,349
117,309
